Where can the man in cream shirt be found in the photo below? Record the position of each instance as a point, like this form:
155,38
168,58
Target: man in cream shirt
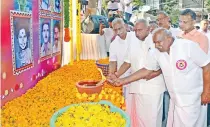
146,97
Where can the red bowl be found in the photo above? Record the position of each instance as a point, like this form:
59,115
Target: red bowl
89,86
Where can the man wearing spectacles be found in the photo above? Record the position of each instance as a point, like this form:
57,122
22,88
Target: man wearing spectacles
163,20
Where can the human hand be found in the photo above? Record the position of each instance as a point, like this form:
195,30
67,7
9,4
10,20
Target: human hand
153,75
120,82
111,78
205,98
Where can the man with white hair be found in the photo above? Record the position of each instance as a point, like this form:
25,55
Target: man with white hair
146,97
163,20
118,49
182,63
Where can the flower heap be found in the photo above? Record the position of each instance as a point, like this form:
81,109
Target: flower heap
37,105
90,115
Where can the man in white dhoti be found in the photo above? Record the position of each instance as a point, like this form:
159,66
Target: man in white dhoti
118,49
146,107
163,20
182,62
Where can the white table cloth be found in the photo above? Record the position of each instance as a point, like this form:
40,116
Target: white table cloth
93,47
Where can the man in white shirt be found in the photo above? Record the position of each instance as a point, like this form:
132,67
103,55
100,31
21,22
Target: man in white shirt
146,96
204,30
128,9
163,20
112,5
118,49
204,26
182,63
121,7
108,34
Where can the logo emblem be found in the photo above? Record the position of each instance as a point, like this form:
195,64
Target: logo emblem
181,64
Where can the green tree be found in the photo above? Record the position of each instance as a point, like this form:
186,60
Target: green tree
171,7
138,3
207,5
66,13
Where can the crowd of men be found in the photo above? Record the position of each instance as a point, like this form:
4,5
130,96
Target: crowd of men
164,71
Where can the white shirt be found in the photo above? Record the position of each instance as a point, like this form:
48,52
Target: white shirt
136,56
121,5
128,9
181,69
118,50
108,34
113,5
175,31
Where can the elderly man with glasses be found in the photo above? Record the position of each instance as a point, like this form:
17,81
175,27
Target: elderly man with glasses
163,20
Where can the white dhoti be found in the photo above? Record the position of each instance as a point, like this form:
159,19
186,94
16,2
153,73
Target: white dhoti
145,110
187,116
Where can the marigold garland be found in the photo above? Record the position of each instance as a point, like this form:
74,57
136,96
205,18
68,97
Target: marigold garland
37,105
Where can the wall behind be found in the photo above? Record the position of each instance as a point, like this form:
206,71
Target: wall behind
31,36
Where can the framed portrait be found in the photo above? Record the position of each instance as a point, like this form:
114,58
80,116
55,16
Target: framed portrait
57,6
45,5
22,43
56,37
23,5
45,47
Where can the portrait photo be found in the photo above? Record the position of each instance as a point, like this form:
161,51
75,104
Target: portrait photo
45,4
22,42
45,37
23,5
56,36
57,6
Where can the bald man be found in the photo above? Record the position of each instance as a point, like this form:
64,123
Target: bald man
182,63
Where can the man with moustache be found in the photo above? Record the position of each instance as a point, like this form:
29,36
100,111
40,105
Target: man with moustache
46,45
163,20
186,70
145,96
118,49
57,45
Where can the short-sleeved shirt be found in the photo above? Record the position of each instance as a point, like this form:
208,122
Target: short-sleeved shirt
108,34
175,31
136,56
198,37
181,69
128,9
113,5
118,49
